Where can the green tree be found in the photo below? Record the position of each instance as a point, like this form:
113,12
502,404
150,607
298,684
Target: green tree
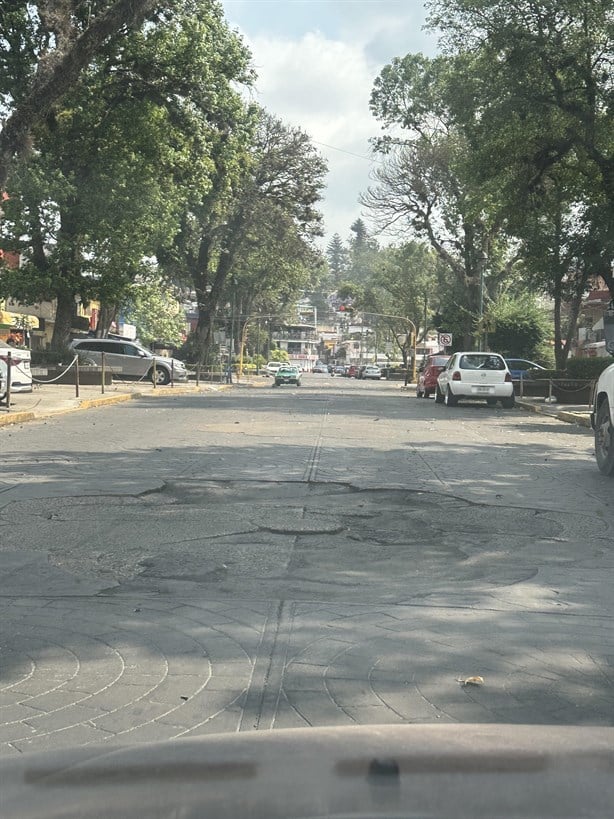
404,284
153,307
540,101
337,256
517,326
44,48
269,181
427,184
363,251
557,258
116,162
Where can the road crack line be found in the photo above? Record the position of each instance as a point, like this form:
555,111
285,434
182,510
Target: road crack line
311,468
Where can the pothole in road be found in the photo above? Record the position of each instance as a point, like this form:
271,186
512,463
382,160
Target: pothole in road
263,538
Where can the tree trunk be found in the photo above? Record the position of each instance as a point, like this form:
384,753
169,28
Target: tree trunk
64,314
203,336
559,357
106,317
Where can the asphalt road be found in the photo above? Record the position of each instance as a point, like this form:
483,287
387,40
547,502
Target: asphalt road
266,558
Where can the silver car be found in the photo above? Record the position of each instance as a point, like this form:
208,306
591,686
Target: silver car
131,360
372,371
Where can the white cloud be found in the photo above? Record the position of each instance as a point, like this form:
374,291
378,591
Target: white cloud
316,63
323,87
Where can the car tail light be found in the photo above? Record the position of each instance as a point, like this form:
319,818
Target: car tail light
456,376
508,377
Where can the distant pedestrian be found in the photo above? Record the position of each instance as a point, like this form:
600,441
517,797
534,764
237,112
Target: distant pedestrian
228,372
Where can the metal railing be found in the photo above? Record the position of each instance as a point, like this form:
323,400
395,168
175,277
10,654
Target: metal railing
575,385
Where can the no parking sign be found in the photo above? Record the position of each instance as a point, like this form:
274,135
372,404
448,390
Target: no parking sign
445,339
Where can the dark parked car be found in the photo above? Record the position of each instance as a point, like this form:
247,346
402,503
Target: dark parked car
519,367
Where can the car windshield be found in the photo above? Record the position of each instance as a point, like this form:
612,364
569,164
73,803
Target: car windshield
223,543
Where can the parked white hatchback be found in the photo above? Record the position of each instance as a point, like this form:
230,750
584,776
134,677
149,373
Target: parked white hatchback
476,376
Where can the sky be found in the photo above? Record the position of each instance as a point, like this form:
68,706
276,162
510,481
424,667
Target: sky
316,62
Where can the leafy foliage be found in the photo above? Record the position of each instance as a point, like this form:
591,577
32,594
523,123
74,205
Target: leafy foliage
115,164
44,48
155,311
516,326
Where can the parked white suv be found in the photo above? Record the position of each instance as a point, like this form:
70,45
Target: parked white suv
21,374
131,359
602,421
477,376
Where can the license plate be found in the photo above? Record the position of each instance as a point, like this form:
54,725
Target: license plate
483,389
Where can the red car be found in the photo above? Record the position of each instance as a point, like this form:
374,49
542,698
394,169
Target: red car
427,380
352,371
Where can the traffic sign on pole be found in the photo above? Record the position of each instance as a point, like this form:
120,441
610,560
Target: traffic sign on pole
445,339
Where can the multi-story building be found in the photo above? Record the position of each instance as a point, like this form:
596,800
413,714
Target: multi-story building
591,338
300,341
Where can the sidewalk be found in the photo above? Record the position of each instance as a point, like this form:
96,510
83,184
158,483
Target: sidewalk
571,413
55,399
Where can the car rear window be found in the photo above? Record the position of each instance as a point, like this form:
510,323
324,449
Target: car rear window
480,361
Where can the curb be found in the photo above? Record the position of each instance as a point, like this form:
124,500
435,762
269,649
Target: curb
574,418
16,418
91,403
530,407
561,415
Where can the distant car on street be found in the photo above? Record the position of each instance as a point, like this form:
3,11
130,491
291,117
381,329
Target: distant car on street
372,371
352,371
320,368
271,367
287,374
339,369
473,375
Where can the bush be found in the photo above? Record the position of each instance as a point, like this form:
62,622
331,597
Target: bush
51,358
517,326
590,368
544,375
581,369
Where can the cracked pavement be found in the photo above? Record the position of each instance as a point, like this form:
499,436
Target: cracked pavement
339,554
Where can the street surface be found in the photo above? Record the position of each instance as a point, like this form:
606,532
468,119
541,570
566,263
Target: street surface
267,558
